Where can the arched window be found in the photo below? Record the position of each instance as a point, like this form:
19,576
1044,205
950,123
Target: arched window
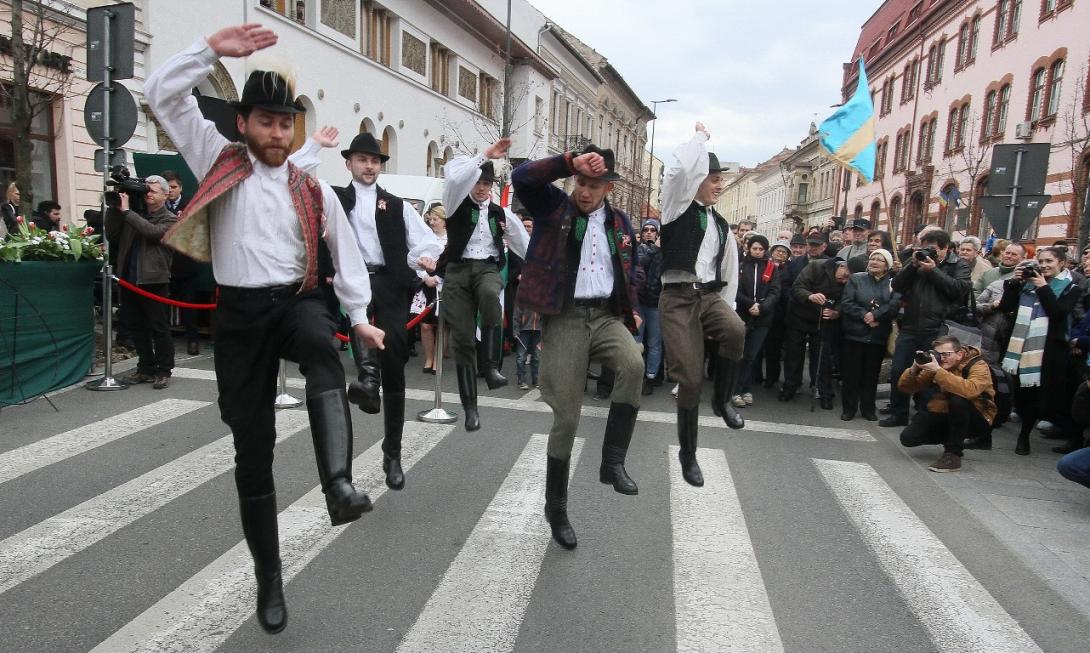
987,125
858,211
896,213
1002,108
1037,94
1055,82
389,148
875,212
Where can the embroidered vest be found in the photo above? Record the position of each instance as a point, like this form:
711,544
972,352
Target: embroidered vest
681,240
390,223
460,228
191,235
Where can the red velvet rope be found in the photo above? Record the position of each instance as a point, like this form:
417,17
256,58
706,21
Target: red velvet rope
211,307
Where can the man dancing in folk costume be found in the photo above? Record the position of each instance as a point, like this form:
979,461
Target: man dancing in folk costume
699,282
470,266
578,274
395,244
258,218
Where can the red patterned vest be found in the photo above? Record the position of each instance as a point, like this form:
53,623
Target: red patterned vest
192,237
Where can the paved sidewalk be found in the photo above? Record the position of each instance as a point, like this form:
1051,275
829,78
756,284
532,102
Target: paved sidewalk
1042,517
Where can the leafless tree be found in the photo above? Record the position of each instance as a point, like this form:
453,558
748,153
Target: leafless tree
40,71
478,128
970,162
1072,137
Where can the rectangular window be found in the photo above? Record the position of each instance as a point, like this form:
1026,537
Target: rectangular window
1002,7
974,38
803,190
539,114
1055,84
440,69
42,157
1001,110
1037,94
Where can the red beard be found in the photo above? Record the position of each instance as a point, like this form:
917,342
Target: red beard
272,156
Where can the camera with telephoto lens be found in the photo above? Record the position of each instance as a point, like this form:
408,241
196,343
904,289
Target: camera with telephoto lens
924,357
924,253
134,187
1030,269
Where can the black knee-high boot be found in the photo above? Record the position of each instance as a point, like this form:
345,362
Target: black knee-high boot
259,526
688,420
556,501
331,430
393,417
467,391
364,392
493,351
726,377
619,426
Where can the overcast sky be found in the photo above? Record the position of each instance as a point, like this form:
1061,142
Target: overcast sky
757,72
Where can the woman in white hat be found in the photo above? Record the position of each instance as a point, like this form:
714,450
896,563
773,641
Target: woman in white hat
867,308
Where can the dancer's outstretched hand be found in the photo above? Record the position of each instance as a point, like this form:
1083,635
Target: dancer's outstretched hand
241,40
327,136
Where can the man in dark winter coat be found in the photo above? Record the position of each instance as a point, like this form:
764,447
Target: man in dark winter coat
932,283
812,318
649,257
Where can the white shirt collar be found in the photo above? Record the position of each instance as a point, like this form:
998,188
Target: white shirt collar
364,188
598,213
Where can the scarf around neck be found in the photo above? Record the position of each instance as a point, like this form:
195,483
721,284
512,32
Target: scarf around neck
1025,352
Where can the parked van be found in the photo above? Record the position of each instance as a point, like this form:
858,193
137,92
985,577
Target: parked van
422,192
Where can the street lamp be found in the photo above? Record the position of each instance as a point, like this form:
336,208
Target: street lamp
651,159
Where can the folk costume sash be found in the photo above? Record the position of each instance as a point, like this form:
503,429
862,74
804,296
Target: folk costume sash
191,235
1025,353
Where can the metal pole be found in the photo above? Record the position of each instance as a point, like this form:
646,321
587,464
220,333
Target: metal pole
437,414
107,382
1014,193
285,400
651,161
505,129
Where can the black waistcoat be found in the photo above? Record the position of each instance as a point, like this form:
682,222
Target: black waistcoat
390,224
460,228
681,240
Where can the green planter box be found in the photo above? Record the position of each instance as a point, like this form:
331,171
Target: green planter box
47,338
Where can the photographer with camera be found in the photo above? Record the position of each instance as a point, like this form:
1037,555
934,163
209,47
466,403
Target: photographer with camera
1038,356
961,405
933,283
813,318
143,261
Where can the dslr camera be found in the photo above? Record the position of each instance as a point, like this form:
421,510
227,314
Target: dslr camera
925,253
924,357
1030,268
123,182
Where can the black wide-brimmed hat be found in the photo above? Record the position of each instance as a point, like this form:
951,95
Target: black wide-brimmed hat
365,143
713,164
488,173
610,161
860,223
268,90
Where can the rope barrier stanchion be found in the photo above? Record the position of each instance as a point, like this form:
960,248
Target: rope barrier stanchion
285,400
437,414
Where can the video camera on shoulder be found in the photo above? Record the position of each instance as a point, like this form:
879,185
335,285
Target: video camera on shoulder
924,253
134,187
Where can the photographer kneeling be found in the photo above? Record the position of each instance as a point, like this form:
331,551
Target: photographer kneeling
143,261
962,407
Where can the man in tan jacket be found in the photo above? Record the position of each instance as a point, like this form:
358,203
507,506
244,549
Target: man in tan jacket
963,403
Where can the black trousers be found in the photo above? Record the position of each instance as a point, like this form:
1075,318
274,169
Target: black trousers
149,326
390,308
795,343
254,329
860,366
948,429
773,350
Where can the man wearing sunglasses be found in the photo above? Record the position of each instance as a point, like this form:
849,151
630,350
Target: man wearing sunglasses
962,405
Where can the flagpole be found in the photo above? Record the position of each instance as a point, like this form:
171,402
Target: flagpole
889,217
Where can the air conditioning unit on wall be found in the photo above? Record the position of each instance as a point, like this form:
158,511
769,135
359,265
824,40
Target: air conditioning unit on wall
1023,130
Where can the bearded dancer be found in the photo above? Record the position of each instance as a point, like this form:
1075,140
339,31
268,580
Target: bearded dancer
470,266
699,282
578,275
258,219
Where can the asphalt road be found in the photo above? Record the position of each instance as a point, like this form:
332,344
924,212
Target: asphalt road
119,531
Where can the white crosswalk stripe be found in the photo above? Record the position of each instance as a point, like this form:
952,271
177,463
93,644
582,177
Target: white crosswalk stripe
956,610
497,567
53,540
719,595
62,446
659,417
203,612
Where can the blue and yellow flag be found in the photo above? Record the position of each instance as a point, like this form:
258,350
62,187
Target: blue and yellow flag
848,134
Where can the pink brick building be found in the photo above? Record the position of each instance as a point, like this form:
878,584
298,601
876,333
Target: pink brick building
952,78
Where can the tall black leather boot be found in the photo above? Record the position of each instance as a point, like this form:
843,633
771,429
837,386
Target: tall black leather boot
619,426
556,501
493,351
259,526
331,430
393,417
726,376
467,391
364,392
687,421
